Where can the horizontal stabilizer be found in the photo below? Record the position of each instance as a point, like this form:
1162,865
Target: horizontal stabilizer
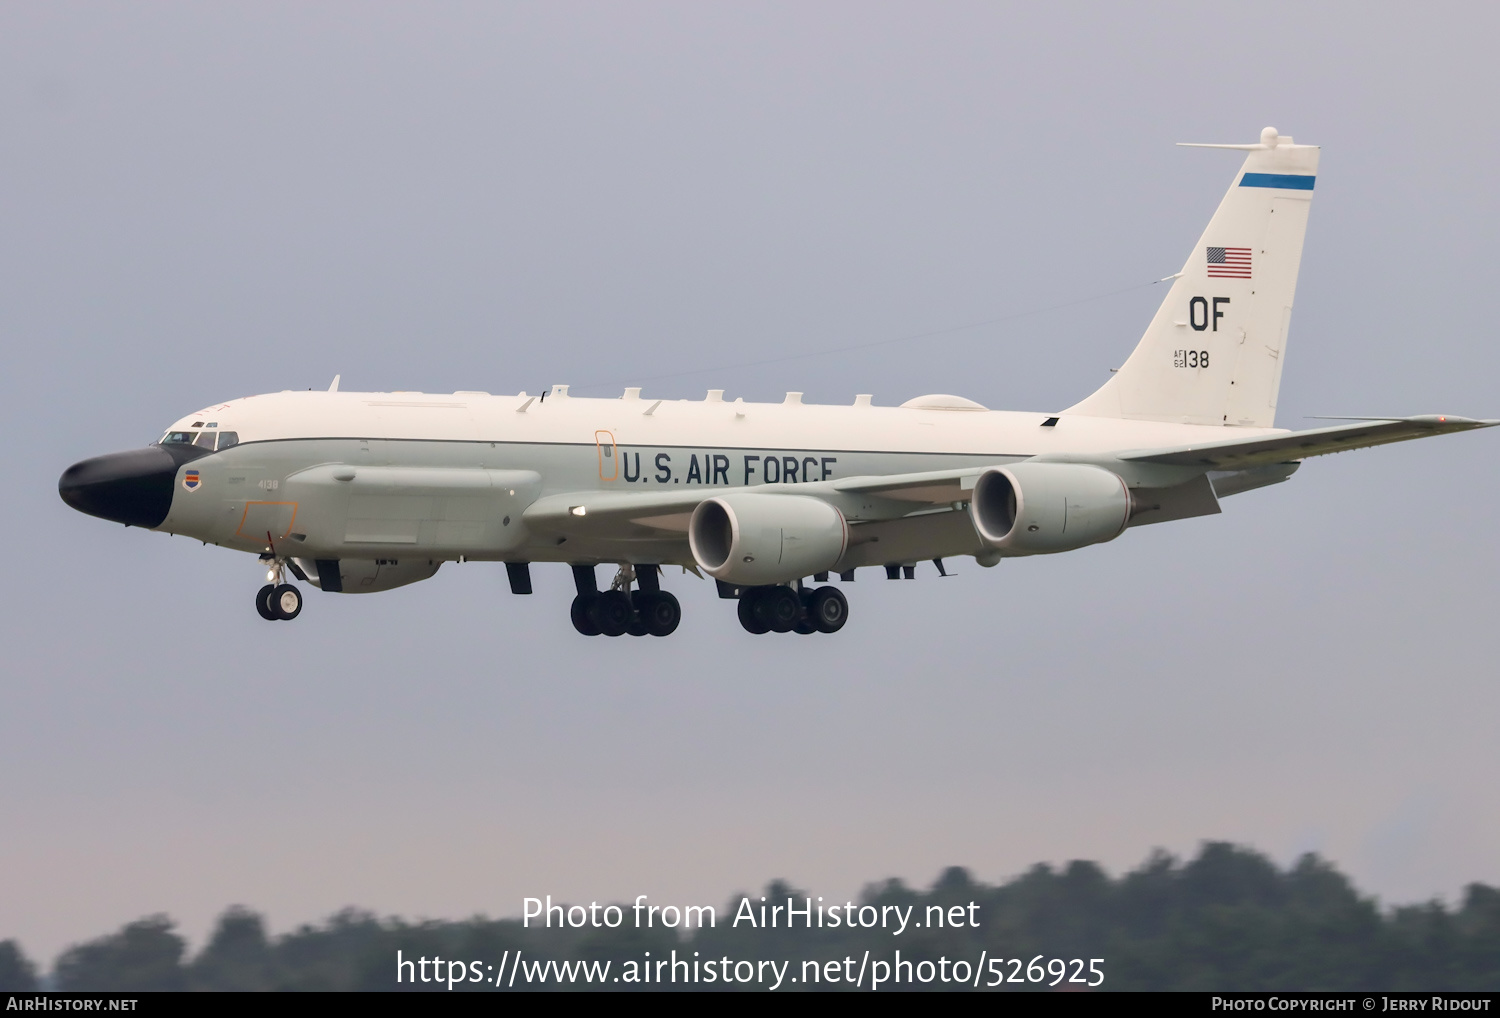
1245,453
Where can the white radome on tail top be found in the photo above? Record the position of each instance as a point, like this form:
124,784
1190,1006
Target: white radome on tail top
356,492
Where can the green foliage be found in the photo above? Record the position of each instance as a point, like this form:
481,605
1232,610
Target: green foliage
16,971
145,955
1226,920
237,957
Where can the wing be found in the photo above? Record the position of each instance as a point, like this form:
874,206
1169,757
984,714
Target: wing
1243,454
649,514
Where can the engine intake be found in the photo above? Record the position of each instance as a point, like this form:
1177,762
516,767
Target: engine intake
1037,508
752,539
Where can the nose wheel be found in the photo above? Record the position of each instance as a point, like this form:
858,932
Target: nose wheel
286,601
263,602
278,602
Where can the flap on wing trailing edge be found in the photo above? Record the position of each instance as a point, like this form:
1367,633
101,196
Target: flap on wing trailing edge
1242,454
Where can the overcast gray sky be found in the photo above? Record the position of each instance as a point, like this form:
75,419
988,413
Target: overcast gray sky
199,202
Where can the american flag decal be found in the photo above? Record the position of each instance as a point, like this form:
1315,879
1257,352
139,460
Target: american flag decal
1229,263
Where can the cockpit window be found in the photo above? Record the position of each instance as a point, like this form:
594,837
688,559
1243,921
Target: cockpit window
202,439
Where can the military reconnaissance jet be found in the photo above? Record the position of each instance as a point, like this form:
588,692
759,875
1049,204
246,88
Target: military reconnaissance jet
355,492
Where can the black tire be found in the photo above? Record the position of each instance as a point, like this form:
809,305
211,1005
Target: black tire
263,602
583,619
612,613
750,617
637,627
828,609
805,625
286,602
659,611
782,608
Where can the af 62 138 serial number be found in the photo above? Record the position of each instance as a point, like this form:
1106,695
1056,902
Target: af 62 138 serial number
1189,358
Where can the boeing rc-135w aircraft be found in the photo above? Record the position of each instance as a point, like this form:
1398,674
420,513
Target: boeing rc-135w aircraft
354,492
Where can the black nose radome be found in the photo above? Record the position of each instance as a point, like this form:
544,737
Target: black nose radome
133,487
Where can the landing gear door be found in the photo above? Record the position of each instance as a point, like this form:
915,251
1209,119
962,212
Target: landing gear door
609,456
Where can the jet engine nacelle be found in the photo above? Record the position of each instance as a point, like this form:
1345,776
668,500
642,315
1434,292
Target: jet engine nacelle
1036,508
752,539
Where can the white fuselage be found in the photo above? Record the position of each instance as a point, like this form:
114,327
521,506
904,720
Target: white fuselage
278,485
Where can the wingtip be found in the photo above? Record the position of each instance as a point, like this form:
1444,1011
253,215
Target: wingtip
1453,421
1445,420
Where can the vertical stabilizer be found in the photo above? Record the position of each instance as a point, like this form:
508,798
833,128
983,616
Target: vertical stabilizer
1213,353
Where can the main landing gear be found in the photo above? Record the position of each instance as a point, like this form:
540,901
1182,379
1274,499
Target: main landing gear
649,610
278,601
793,610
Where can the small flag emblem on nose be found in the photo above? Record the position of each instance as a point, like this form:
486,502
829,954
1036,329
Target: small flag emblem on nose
191,480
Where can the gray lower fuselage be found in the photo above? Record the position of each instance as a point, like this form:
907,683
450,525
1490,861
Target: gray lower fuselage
286,495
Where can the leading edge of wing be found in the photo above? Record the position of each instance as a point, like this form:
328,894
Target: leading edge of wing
1240,454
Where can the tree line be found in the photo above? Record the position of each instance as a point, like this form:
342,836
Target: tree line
1228,919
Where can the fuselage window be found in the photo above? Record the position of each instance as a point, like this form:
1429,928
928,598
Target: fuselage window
228,438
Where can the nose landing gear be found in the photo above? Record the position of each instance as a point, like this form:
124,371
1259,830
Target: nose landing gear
277,601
